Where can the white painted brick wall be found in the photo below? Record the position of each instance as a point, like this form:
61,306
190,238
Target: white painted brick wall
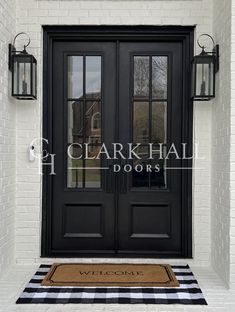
232,152
29,115
7,140
220,173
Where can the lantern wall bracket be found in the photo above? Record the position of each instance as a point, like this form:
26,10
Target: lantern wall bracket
12,50
214,52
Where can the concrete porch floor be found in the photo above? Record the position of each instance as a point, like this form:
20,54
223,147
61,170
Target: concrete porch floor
13,282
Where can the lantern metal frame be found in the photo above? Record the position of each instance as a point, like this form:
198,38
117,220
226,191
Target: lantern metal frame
205,57
13,55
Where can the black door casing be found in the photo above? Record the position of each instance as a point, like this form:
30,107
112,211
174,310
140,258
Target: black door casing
111,211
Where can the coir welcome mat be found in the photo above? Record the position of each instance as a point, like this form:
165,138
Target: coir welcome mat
80,274
188,291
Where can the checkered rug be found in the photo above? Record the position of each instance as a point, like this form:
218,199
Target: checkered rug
189,291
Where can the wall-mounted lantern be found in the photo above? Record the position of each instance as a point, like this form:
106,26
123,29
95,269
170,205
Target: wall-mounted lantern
24,72
204,67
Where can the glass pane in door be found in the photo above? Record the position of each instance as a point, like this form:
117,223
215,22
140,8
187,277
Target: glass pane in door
84,120
93,173
75,121
159,122
141,122
141,76
75,77
159,77
93,77
150,92
158,175
93,122
74,172
140,174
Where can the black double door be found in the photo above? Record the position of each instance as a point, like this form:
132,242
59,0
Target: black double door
108,92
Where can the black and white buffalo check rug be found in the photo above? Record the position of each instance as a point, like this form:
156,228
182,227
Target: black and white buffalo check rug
189,291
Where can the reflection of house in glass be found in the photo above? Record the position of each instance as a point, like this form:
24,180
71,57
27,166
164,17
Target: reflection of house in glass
150,129
150,99
150,116
86,121
84,125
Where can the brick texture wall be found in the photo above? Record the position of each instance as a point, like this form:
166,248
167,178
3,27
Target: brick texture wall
220,173
232,153
31,15
7,140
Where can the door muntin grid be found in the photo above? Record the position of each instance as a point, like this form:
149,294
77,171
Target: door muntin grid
149,115
84,120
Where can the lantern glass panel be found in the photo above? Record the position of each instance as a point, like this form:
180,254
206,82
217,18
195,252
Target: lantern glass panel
22,75
205,81
24,84
34,79
193,80
203,77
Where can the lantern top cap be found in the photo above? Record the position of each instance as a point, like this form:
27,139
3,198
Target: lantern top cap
203,52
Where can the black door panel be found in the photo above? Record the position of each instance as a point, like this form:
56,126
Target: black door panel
150,209
83,211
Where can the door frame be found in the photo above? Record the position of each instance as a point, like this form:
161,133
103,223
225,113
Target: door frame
183,34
